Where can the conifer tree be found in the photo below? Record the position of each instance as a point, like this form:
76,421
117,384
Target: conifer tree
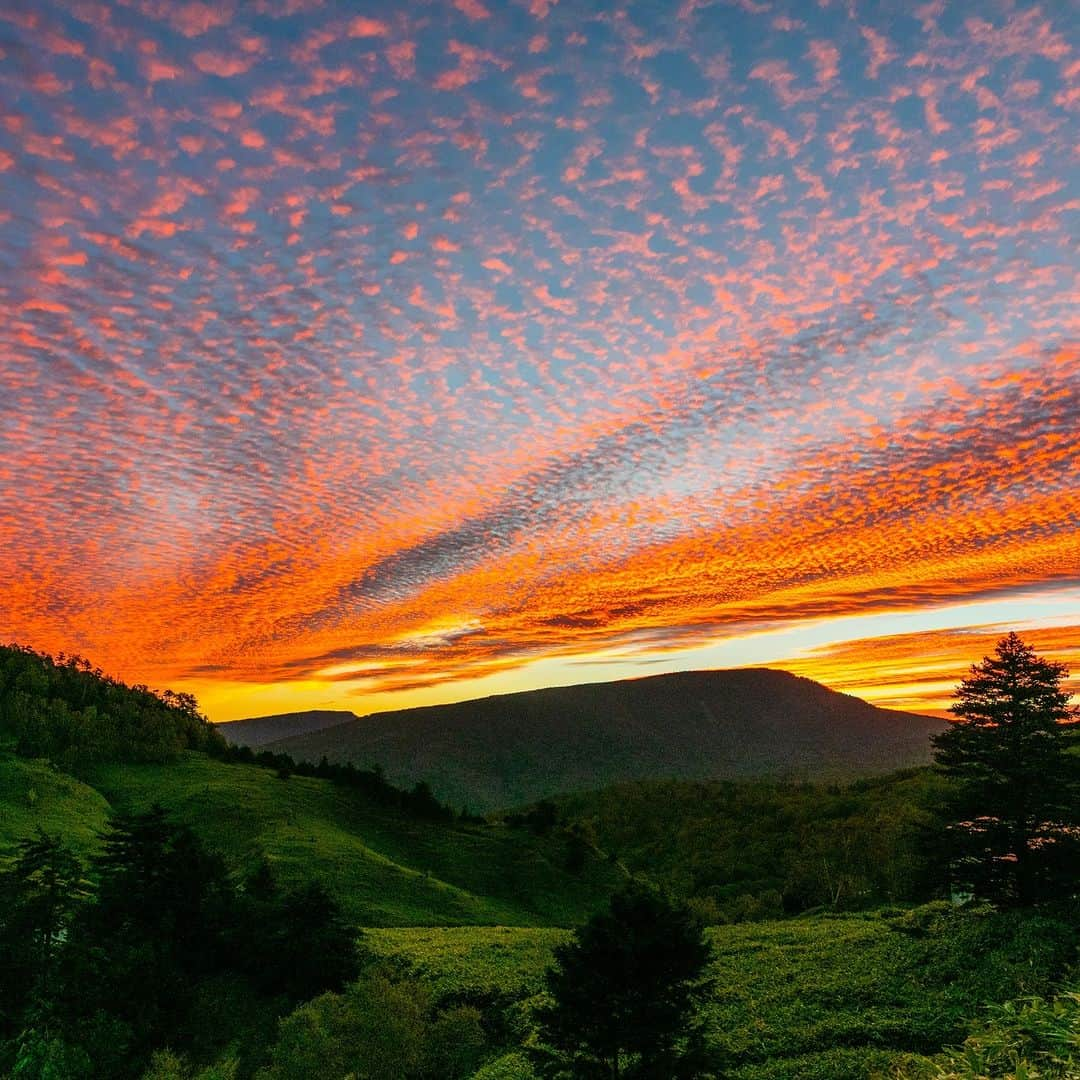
624,990
1016,814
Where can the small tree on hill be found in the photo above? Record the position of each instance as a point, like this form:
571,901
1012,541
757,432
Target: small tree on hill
1016,814
624,989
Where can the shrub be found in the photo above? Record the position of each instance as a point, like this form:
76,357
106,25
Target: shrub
1029,1039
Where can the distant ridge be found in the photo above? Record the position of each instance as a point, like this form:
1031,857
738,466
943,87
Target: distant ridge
260,730
516,748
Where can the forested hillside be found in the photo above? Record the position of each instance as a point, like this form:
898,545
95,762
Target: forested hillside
81,746
764,849
158,888
72,713
260,730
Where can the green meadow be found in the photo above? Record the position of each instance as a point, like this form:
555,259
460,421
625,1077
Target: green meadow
822,998
385,867
34,795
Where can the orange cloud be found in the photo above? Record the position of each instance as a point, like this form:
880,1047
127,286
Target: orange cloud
615,345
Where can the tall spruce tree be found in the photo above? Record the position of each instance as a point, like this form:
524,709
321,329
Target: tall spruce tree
1013,750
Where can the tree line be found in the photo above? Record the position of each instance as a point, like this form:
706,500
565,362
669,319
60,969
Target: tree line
417,801
72,714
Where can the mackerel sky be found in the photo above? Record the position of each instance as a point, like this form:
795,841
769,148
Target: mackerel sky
367,355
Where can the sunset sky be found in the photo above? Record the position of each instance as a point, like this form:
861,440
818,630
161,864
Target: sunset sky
362,356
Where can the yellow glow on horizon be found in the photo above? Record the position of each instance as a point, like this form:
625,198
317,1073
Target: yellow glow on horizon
909,661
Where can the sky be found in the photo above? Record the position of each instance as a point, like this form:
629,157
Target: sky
369,355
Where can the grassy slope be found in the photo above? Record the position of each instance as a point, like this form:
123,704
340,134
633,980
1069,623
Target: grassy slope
823,998
828,998
386,868
33,796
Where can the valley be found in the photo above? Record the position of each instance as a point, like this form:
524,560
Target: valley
836,949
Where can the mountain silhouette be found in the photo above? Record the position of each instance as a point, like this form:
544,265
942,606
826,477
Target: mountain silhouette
512,749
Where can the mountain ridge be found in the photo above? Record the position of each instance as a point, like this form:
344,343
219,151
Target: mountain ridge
511,749
257,731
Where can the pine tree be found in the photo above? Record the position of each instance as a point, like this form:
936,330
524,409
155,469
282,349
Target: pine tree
38,897
1016,814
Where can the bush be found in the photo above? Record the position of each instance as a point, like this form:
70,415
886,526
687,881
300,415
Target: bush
514,1066
381,1028
1029,1039
165,1065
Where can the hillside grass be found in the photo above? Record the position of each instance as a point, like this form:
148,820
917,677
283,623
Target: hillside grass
825,998
387,869
476,911
34,795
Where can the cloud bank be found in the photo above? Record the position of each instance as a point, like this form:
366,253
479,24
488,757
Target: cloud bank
418,344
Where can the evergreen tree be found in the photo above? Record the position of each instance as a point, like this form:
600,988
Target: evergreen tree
1016,815
624,989
313,946
38,897
292,943
137,955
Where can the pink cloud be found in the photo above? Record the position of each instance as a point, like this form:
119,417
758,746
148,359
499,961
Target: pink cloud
195,19
242,200
401,56
826,59
221,64
471,63
528,86
363,26
472,9
58,44
157,70
881,52
780,79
